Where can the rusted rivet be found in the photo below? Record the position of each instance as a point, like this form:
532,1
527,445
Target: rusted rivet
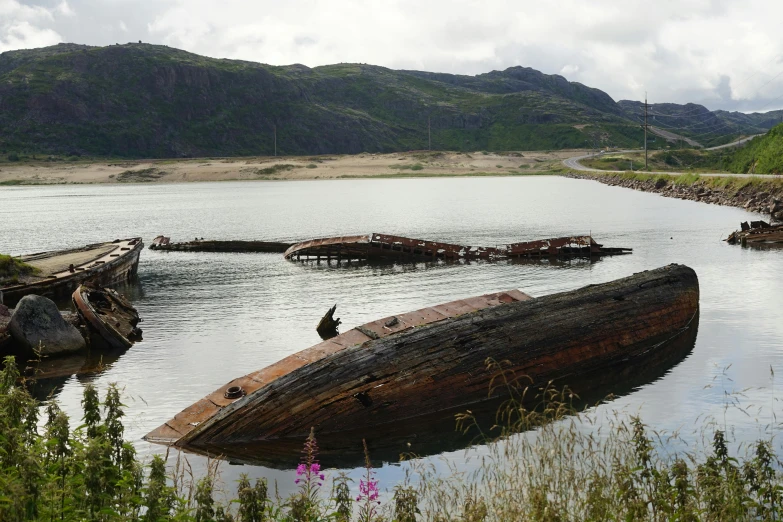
234,392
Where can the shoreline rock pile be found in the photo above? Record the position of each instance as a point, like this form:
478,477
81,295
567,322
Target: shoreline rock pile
751,197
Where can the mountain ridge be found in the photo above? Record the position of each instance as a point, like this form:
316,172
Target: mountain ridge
144,100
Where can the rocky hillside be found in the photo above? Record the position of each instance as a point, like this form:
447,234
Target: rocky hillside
140,100
695,121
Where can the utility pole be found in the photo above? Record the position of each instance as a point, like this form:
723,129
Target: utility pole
275,128
646,126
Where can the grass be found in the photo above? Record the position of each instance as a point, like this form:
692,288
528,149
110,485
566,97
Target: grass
12,182
140,176
731,185
543,461
274,169
407,166
11,269
449,175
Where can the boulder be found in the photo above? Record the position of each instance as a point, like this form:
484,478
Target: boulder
37,322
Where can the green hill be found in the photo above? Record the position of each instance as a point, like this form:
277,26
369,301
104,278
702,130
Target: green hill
140,100
763,155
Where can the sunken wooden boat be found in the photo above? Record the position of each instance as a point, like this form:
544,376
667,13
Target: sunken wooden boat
389,247
164,244
757,234
60,273
109,315
418,363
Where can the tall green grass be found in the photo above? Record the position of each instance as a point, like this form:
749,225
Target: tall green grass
544,460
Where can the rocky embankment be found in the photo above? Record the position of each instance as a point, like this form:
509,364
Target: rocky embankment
761,198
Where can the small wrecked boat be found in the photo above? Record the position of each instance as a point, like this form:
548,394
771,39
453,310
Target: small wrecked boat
59,273
757,234
434,359
389,247
164,244
109,315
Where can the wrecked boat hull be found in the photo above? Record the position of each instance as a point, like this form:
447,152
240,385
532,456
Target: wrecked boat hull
360,379
758,234
109,315
377,246
164,244
114,263
436,433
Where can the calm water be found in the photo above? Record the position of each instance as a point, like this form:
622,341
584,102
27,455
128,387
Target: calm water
211,317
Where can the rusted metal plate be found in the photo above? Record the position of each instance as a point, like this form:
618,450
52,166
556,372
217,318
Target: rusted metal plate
327,244
387,246
553,246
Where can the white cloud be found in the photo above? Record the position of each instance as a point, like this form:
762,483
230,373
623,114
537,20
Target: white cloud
714,51
64,9
24,26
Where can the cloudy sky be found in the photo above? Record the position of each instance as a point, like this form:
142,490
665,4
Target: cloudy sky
723,54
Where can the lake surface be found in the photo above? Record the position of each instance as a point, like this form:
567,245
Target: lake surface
209,318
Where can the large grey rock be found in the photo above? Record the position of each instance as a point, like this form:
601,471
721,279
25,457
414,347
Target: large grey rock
37,322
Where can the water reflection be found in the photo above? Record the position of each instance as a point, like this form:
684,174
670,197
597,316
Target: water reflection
438,433
47,377
406,266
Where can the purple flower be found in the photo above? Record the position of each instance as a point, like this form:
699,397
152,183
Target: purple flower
314,467
301,469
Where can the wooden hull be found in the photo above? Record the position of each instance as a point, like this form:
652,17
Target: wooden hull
113,318
117,263
441,365
436,433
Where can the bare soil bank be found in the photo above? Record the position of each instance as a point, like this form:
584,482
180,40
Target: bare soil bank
409,164
755,194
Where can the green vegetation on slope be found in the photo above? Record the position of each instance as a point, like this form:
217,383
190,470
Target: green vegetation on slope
763,155
141,100
11,269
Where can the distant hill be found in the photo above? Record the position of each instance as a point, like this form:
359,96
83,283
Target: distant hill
141,100
699,123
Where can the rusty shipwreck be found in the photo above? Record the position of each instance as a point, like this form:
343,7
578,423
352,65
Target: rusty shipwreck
431,360
60,273
376,246
164,244
108,315
758,234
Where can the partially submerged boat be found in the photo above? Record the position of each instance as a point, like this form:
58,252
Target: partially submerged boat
59,273
377,246
431,360
757,234
109,315
164,243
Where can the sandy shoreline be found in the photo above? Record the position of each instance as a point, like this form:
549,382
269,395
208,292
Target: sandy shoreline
403,164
